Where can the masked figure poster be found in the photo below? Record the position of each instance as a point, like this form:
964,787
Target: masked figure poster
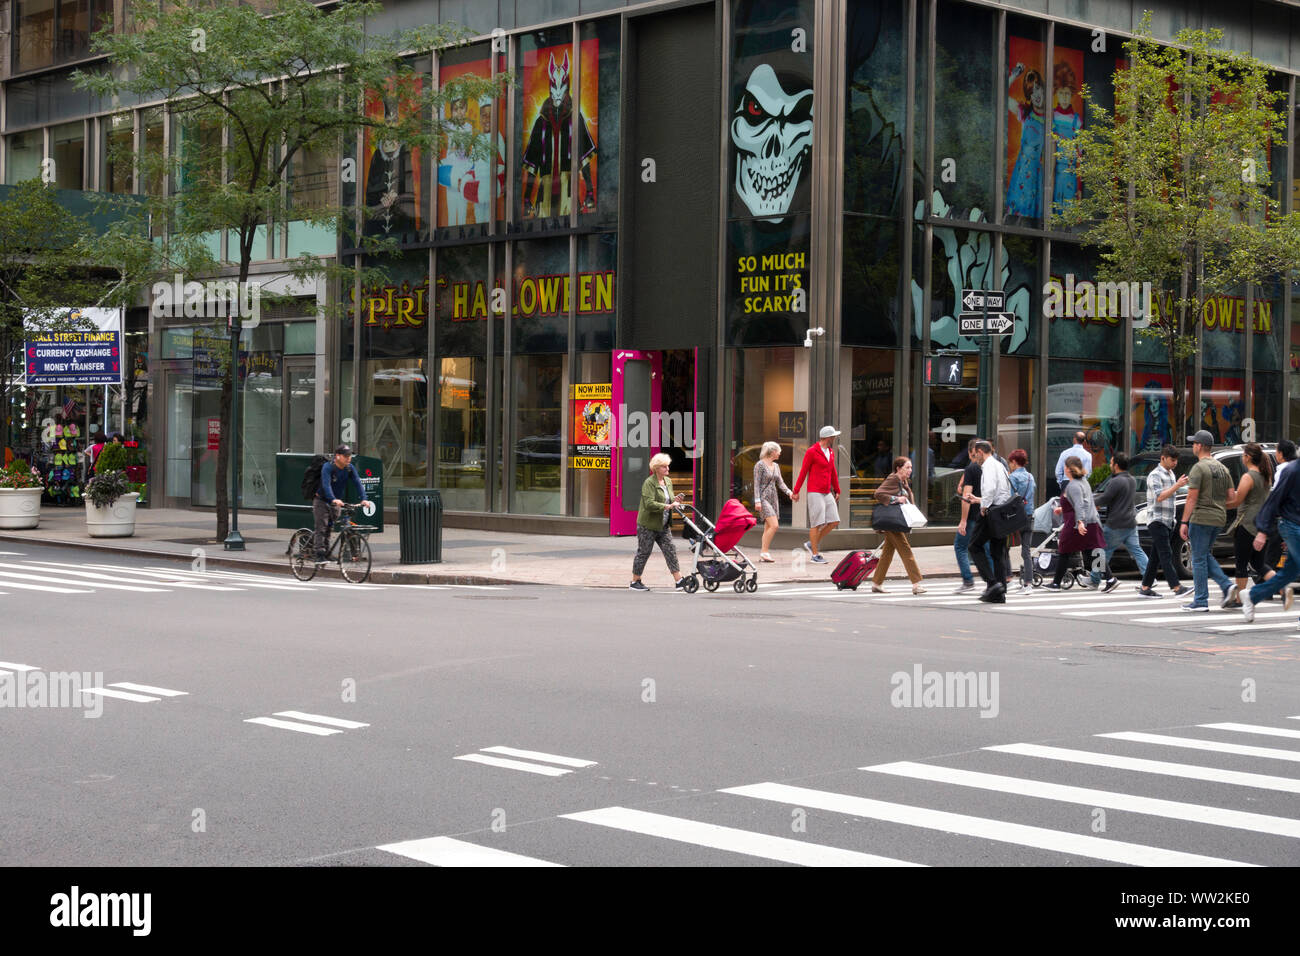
554,136
770,128
395,192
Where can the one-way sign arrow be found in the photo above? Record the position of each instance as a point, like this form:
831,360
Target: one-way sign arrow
999,323
972,299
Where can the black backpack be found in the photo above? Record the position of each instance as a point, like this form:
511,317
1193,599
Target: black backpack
311,478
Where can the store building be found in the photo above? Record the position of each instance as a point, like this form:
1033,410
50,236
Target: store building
705,226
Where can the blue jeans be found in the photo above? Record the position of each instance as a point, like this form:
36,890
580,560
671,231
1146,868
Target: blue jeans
1201,537
963,555
1126,538
1290,571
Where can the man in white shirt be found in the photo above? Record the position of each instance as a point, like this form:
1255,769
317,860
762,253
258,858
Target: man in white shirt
1077,450
995,489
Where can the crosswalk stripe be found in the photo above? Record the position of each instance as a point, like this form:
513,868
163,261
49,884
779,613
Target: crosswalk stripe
538,755
1172,809
730,839
1081,607
1255,729
1243,626
120,694
317,718
1124,608
291,725
146,689
244,580
45,587
1114,851
444,851
514,765
1192,617
116,576
17,667
1192,743
1239,778
53,579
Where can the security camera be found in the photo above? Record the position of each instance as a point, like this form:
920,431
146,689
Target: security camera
807,340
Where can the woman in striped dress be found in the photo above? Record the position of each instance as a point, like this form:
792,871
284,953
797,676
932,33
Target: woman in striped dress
767,479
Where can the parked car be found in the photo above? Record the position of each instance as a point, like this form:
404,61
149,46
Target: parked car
1142,465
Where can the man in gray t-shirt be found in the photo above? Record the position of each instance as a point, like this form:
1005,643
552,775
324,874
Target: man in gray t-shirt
1204,515
1120,528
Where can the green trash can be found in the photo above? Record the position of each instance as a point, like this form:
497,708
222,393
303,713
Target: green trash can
419,523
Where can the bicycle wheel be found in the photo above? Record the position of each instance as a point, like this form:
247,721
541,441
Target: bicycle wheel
354,558
302,554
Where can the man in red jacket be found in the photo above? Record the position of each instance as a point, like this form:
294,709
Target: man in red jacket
823,491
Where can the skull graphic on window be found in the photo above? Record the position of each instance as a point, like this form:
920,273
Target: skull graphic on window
772,133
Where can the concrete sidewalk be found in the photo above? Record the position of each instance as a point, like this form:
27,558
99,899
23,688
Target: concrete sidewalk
469,556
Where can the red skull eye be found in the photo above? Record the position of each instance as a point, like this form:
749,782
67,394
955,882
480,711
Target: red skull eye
752,108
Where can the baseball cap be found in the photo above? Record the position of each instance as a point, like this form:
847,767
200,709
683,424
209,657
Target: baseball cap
1202,437
828,432
343,450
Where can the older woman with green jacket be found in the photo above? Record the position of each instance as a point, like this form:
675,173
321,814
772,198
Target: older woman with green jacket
652,522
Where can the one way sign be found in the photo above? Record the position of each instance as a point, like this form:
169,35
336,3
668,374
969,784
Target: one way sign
973,323
972,299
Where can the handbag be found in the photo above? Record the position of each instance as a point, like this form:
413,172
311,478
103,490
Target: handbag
889,518
915,517
1007,519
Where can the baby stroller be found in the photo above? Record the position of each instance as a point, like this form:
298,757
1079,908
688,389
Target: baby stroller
1045,555
729,562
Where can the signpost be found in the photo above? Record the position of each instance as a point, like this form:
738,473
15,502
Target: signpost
990,320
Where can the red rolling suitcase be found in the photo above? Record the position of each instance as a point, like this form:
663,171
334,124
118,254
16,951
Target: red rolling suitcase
853,570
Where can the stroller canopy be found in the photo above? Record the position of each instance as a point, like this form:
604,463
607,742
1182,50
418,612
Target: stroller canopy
733,522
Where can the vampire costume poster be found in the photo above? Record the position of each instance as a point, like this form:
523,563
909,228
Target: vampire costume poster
552,139
394,175
770,129
466,183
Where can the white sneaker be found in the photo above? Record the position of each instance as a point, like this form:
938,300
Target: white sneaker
1288,597
1247,606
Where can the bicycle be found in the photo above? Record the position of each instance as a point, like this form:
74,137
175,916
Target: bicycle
349,547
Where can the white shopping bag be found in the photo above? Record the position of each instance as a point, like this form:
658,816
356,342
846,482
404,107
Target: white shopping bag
915,518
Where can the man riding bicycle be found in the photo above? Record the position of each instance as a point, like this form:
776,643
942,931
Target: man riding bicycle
328,502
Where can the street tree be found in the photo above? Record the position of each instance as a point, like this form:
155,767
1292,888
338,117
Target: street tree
1176,186
256,91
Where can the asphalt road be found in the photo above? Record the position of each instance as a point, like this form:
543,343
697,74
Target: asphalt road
638,729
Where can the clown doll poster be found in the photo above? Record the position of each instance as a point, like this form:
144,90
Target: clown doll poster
394,187
1029,112
471,184
553,136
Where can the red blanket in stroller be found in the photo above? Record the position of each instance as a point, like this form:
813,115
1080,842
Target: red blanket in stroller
734,520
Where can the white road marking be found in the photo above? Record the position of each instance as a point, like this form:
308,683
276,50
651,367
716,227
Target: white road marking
53,579
171,580
120,694
44,587
538,755
291,725
1214,745
1255,729
17,667
1239,778
444,851
514,765
1243,626
317,718
146,689
730,839
1114,851
1171,809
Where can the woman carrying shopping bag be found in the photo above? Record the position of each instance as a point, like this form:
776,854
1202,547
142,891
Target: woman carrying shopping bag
897,490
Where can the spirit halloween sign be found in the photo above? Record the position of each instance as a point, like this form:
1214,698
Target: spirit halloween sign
1108,303
407,306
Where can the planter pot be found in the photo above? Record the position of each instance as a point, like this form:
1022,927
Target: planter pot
115,521
20,508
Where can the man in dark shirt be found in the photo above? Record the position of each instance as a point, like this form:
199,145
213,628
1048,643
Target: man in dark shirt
1120,527
334,478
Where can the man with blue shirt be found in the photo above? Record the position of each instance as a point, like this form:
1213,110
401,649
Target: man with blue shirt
334,476
1077,450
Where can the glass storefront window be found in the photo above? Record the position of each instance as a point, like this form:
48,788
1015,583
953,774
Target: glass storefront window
872,287
596,293
117,136
541,296
538,382
23,156
545,131
591,486
1082,396
599,99
868,375
461,335
1084,321
964,100
1017,386
33,34
764,383
153,146
68,150
875,119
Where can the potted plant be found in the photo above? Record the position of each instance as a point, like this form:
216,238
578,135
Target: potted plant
20,496
110,504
